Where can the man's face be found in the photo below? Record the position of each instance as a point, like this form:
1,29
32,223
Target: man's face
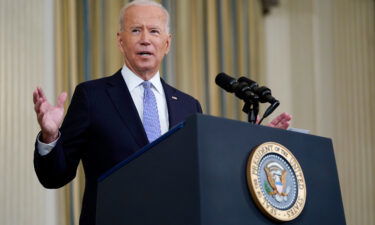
144,40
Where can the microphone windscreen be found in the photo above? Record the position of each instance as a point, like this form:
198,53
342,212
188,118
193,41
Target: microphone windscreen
248,81
226,82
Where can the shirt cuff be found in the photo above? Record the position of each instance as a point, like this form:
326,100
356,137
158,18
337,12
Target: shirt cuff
43,148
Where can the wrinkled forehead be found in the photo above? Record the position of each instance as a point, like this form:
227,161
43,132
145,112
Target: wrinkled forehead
145,15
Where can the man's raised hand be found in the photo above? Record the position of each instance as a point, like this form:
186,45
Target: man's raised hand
49,117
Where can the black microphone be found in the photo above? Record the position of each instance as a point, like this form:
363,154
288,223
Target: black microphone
226,82
241,89
263,92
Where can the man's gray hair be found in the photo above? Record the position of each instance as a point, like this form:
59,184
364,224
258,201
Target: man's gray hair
142,2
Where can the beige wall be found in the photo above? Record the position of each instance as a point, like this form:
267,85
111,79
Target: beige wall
320,63
26,60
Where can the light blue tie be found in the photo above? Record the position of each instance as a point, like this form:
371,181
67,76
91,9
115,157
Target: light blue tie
150,113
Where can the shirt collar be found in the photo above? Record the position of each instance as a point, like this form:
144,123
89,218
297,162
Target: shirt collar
133,81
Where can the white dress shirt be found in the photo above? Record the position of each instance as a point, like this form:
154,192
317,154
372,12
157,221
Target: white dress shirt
134,84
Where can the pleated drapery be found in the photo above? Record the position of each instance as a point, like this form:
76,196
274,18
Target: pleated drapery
326,55
320,61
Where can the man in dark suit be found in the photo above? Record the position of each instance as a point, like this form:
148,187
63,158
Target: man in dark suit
111,118
105,121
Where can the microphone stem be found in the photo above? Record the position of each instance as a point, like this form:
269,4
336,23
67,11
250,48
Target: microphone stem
252,110
261,120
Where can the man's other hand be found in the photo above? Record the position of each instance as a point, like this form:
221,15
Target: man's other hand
49,117
282,121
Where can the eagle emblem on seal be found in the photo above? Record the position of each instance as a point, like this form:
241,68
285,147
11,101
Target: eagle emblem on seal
276,177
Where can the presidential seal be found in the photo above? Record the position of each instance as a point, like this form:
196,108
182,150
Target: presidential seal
276,181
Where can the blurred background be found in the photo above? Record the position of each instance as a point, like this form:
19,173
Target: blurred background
317,56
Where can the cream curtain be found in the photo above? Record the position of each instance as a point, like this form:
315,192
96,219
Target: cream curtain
318,60
208,37
26,61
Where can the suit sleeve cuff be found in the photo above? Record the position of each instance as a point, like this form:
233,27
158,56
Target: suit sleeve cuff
43,148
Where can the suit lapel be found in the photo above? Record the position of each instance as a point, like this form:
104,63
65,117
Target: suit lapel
121,98
172,103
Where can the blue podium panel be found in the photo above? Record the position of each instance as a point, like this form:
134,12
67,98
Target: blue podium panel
196,175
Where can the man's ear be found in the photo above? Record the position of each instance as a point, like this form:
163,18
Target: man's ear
120,42
168,43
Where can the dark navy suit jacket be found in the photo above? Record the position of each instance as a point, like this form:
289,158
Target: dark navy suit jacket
102,128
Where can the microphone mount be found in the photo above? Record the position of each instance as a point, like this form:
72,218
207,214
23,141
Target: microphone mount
250,92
